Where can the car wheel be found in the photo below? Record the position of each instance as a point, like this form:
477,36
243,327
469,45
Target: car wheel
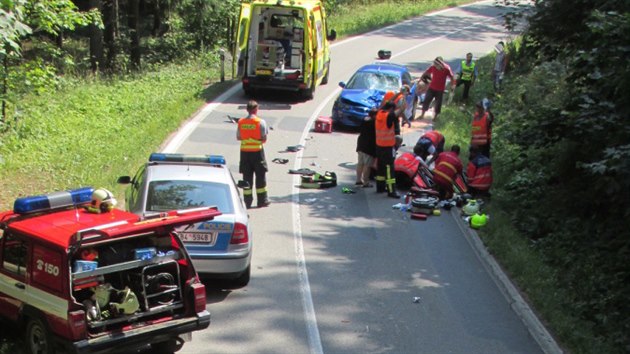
242,279
38,340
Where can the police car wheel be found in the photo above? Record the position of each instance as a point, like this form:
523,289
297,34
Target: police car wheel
38,339
242,279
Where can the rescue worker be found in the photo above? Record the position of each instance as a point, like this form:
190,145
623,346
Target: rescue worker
447,167
387,131
438,72
478,173
482,128
400,102
252,132
431,143
467,74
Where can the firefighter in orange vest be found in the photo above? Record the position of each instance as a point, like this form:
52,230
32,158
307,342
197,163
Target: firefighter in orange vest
387,130
482,128
400,101
252,133
431,143
478,173
447,167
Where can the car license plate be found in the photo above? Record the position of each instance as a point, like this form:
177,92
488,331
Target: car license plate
198,237
264,72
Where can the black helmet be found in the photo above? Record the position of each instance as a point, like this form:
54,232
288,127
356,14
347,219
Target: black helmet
422,146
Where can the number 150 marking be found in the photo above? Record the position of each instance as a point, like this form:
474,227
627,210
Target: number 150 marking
48,267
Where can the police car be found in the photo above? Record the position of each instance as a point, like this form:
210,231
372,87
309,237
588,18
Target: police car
221,248
98,280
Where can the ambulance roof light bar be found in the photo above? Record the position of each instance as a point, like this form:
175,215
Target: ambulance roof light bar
52,201
208,159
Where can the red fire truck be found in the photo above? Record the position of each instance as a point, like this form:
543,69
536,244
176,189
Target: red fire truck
98,282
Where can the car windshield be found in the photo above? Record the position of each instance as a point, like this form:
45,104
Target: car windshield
366,80
172,195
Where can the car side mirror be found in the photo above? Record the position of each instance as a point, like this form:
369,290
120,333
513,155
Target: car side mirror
243,184
124,180
342,84
332,36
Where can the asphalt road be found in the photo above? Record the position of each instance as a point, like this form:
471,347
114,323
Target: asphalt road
345,273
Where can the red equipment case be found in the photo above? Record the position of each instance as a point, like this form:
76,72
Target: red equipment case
323,125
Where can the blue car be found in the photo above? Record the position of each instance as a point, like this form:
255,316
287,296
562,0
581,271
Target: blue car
366,89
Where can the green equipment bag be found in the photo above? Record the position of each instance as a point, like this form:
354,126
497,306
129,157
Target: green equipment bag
319,181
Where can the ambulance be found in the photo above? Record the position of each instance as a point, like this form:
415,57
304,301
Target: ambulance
282,45
80,281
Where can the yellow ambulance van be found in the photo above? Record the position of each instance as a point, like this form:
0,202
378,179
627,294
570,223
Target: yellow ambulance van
282,45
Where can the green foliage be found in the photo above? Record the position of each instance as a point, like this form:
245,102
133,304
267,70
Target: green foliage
12,26
208,20
564,157
53,16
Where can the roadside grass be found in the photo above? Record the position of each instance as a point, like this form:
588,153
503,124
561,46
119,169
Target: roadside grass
91,131
356,19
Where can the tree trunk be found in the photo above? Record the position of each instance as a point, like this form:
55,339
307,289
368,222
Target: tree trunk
134,29
96,40
157,19
110,20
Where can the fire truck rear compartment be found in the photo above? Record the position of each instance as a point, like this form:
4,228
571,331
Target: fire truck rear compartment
131,282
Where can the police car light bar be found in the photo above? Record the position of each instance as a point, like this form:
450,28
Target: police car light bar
209,159
40,203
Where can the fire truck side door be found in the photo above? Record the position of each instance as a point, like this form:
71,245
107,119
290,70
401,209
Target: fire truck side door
13,270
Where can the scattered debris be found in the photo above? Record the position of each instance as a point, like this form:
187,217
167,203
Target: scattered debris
280,161
302,171
295,148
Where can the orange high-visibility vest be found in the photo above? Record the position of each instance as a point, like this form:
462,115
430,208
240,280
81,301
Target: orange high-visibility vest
251,136
385,136
480,130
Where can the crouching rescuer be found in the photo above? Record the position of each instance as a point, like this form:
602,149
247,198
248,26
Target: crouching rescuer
387,129
252,132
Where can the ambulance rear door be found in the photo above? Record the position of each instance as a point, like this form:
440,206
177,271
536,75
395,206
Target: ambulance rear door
242,41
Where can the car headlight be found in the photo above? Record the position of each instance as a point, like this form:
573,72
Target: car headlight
341,106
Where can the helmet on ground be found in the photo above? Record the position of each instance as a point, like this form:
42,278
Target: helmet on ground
478,220
102,201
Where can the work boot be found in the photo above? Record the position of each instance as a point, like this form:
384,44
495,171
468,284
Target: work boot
393,194
248,202
380,187
264,203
